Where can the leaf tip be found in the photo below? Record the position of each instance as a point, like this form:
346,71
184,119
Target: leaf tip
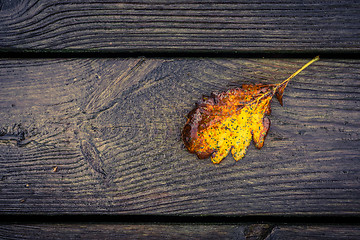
279,94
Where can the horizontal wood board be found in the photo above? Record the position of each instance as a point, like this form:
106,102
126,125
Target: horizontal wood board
103,136
314,232
180,25
177,231
133,231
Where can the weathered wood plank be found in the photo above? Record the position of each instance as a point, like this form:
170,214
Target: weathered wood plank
177,231
131,231
315,232
103,136
180,25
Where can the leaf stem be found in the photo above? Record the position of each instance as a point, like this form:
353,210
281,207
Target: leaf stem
284,83
297,72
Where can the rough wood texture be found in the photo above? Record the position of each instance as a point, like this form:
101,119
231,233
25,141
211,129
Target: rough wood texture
177,231
315,232
179,25
131,231
103,136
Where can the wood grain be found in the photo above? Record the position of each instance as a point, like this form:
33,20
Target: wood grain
180,25
125,231
177,231
315,232
112,128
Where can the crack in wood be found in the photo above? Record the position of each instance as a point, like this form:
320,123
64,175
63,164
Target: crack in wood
91,155
258,231
16,133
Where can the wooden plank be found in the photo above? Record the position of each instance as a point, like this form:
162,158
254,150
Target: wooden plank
103,136
315,232
180,25
176,231
133,231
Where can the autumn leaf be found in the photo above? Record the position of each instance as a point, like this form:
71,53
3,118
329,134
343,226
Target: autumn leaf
228,121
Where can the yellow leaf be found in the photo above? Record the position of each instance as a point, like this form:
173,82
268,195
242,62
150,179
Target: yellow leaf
228,121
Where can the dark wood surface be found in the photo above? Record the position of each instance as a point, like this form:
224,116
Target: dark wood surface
178,231
315,232
121,231
180,25
99,139
103,136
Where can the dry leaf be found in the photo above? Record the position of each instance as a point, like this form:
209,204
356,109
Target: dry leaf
229,120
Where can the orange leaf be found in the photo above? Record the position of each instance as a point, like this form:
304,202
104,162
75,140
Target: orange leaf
230,120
